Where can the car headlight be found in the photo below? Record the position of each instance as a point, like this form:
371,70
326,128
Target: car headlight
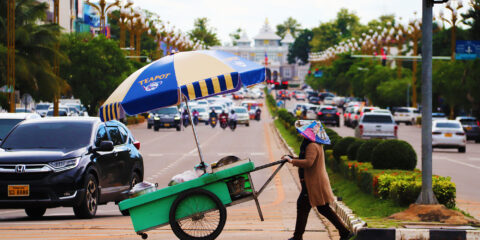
149,116
156,118
177,117
63,165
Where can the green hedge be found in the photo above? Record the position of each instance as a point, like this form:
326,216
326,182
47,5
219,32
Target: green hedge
353,149
394,154
403,186
364,153
340,148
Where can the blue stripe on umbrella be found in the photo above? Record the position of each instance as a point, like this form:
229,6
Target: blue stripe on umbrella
210,89
223,85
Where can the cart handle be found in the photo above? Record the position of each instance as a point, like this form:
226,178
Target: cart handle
269,165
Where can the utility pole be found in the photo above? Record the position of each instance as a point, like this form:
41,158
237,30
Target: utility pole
11,54
426,195
56,64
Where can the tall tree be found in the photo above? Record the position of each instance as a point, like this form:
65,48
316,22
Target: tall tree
202,33
472,19
289,24
325,36
97,67
235,35
34,49
347,23
300,49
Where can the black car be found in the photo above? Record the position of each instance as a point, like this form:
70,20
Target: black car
329,115
314,100
471,126
69,162
164,118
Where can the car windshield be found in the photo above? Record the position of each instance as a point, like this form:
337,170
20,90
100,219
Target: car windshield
200,110
22,110
240,110
60,113
468,121
202,103
328,110
438,114
42,106
173,110
377,119
401,110
49,135
447,125
6,125
216,108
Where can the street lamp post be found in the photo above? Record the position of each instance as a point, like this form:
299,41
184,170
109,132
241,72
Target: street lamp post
453,20
102,7
400,37
56,64
123,21
414,33
132,18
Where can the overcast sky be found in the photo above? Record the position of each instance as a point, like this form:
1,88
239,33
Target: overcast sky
227,15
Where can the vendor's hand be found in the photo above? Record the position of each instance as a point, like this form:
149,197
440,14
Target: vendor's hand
288,158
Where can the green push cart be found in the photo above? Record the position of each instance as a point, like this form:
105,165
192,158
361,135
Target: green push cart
197,209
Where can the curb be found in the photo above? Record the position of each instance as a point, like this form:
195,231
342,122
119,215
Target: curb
345,213
362,232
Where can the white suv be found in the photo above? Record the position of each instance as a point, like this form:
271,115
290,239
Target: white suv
407,115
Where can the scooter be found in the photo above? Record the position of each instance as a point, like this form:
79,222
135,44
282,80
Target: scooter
257,115
232,124
213,122
186,121
223,122
195,119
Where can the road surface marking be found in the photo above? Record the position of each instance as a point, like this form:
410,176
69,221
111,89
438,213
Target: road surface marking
461,163
257,153
155,155
474,159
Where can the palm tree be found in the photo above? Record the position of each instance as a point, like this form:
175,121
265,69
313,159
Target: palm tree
35,49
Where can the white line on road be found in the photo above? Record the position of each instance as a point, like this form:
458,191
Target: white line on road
459,162
155,155
257,153
474,159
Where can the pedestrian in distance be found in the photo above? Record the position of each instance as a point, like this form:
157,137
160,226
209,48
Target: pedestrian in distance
316,190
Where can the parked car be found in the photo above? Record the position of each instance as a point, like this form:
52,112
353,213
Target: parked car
448,134
471,126
243,116
42,108
164,118
407,115
329,115
9,120
68,162
376,125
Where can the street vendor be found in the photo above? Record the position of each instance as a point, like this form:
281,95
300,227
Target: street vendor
316,190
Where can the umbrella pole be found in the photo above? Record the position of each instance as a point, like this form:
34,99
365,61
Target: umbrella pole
195,135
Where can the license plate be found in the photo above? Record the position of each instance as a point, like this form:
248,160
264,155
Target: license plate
166,124
448,135
329,115
18,190
469,128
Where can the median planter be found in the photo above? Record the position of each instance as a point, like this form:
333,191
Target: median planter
394,154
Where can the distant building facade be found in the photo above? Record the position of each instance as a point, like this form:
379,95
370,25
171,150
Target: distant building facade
268,45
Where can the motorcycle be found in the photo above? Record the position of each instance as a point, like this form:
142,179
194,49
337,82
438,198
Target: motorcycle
186,121
232,124
213,121
195,118
223,122
257,115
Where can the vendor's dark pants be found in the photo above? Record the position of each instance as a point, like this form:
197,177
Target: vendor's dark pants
303,209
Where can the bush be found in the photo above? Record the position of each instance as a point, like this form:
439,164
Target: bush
340,148
364,152
353,149
286,117
330,132
394,154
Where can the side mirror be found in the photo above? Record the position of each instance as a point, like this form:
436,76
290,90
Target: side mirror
105,146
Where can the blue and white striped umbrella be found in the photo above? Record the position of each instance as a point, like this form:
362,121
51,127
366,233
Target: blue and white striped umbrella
195,74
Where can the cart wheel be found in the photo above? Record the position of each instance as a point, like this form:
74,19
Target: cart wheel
197,214
143,235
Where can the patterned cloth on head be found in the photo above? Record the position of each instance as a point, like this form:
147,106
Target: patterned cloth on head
312,130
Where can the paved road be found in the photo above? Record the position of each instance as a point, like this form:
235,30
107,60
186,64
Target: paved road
167,153
463,168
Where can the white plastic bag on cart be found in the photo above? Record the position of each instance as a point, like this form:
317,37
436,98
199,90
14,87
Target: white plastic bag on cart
183,177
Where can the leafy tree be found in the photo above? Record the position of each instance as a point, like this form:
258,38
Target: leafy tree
393,92
472,19
203,33
289,24
347,23
473,84
325,36
97,67
300,49
381,22
235,35
376,75
34,49
449,82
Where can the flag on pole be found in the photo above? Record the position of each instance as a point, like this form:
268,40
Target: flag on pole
266,59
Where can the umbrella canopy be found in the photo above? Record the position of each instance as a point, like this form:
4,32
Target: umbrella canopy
195,74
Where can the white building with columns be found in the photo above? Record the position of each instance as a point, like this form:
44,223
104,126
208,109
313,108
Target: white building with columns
266,42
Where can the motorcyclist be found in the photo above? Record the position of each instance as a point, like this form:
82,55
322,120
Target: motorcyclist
213,114
223,119
233,119
304,113
195,115
185,117
258,112
298,112
223,115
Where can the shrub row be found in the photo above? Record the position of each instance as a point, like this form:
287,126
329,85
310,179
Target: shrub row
134,119
403,186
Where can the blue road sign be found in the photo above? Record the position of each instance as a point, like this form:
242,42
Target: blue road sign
467,50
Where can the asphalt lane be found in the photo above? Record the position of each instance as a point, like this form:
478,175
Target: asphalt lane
167,153
463,168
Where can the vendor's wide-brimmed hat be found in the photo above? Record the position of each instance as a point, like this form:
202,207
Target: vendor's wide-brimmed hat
312,130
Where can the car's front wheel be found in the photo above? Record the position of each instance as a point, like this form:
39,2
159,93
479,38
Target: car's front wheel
87,208
135,179
461,149
36,212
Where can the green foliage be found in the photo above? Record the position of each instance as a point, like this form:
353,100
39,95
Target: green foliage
97,67
300,49
340,148
201,32
353,149
472,19
333,140
289,24
364,153
394,154
287,117
393,92
235,35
